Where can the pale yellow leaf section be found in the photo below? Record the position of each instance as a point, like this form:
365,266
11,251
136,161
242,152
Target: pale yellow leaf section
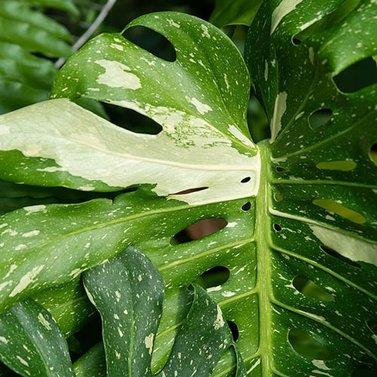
188,154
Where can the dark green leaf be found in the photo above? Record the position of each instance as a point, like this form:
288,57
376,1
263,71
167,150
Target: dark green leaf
235,12
31,342
128,293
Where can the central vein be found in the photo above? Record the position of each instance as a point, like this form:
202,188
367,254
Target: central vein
263,229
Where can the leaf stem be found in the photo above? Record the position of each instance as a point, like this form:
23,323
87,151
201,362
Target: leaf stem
89,32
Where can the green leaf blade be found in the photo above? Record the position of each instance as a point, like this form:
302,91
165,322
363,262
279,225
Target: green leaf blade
128,292
32,344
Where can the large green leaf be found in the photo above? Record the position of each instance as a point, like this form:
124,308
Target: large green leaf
31,343
301,237
128,292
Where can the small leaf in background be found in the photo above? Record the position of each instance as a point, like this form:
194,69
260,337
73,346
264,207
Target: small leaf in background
234,12
31,343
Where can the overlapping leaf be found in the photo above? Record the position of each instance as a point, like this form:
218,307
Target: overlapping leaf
128,292
31,343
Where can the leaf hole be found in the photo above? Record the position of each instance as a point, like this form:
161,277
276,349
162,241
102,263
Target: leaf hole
277,227
199,230
309,347
246,206
234,329
320,118
373,153
189,191
335,254
296,41
357,76
333,206
310,289
214,277
131,120
151,41
245,180
280,169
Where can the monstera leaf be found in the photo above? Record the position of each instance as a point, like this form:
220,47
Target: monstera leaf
299,233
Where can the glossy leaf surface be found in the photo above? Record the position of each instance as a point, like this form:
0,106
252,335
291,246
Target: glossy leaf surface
128,292
31,342
300,240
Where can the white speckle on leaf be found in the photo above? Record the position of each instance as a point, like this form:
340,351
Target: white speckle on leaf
201,107
231,225
4,340
22,361
51,169
214,289
19,247
116,46
43,321
219,321
205,31
32,233
117,75
173,23
279,110
320,364
285,7
26,280
148,341
33,209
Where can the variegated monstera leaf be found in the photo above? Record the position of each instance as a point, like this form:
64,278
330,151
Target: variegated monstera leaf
300,242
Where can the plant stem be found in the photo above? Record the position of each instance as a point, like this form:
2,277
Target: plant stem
89,32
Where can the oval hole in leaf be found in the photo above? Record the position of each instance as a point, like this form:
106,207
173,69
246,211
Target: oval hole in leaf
199,230
296,41
131,120
357,76
277,227
214,277
373,153
319,118
335,254
234,329
335,207
306,345
280,169
151,41
310,289
189,191
246,206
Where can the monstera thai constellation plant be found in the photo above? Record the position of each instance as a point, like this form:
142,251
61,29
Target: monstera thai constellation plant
298,244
